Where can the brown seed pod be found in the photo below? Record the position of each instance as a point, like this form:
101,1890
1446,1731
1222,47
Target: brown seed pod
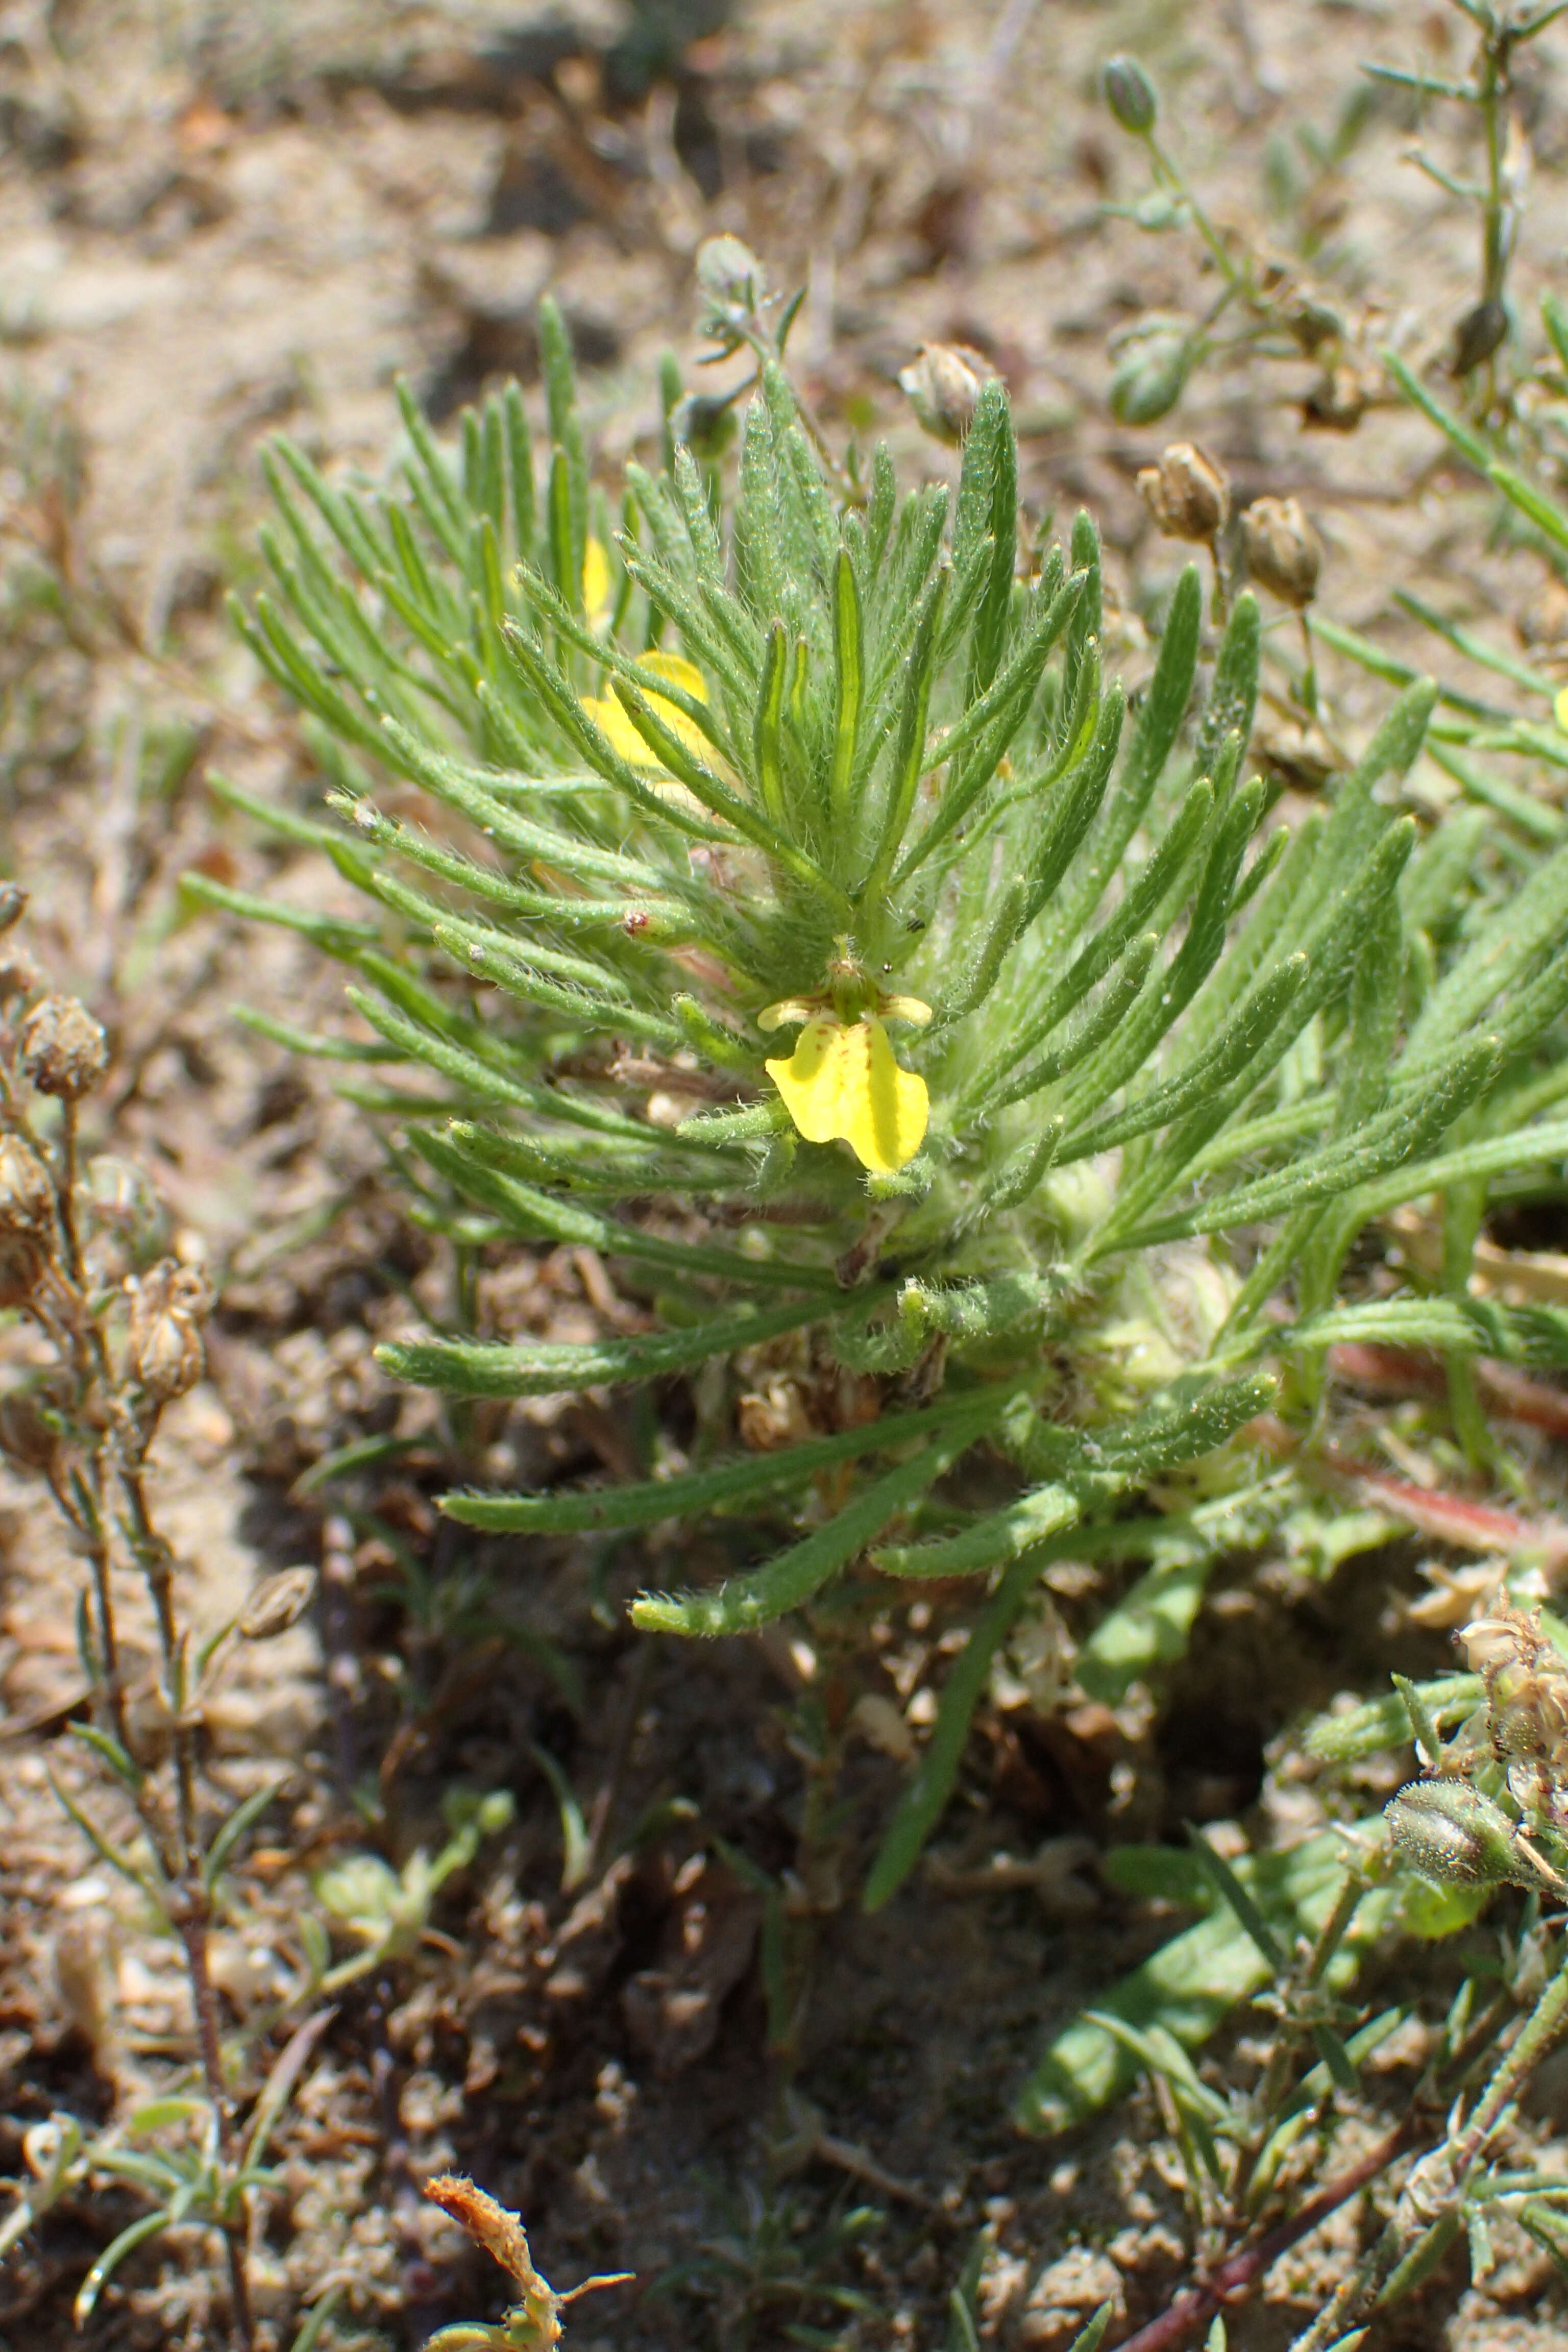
1188,493
64,1049
1282,549
27,1195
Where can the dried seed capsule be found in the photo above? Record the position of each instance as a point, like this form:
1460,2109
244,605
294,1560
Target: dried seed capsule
1130,96
29,1434
64,1049
163,1349
1338,401
22,1261
27,1195
944,386
1281,550
19,974
13,903
1186,493
1451,1832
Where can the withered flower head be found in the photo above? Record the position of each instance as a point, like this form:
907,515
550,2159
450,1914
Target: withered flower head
1188,493
1282,549
64,1049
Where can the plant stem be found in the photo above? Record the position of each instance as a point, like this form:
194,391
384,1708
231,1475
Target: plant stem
1437,2185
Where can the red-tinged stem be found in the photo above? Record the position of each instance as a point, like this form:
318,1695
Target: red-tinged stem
1234,2278
1396,1372
1448,1519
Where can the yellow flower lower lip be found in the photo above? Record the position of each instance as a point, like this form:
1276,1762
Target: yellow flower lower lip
614,724
842,1084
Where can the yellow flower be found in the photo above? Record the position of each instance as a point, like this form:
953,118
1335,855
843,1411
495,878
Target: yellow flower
843,1083
612,719
598,586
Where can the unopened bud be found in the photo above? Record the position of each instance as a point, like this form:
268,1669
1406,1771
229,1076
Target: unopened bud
163,1349
943,384
64,1049
732,281
27,1195
277,1603
1451,1832
1130,96
1480,333
1154,361
1281,550
1186,493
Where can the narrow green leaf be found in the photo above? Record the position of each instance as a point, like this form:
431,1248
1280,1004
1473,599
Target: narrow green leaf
744,1603
924,1800
752,1479
548,1367
1231,1891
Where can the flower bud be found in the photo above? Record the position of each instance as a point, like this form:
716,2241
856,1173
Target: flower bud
945,385
1130,96
163,1349
64,1049
1451,1832
1281,550
1186,493
734,283
278,1602
1154,361
27,1195
1480,333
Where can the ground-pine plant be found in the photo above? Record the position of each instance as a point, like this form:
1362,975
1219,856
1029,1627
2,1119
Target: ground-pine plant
790,908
